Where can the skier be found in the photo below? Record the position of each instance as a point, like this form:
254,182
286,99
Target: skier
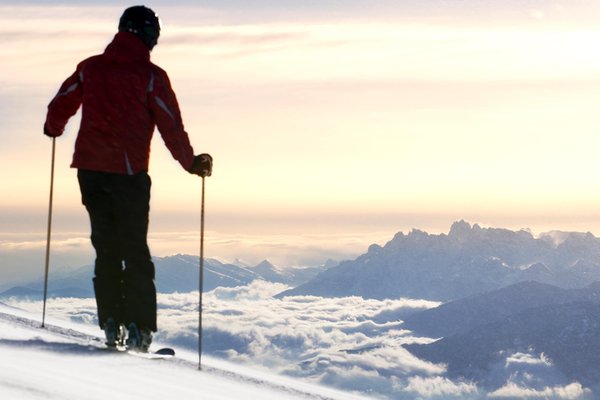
123,97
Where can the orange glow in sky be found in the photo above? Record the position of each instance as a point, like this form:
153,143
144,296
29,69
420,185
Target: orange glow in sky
328,126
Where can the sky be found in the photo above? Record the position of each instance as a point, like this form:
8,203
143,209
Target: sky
333,124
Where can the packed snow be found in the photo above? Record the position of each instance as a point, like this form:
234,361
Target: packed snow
66,360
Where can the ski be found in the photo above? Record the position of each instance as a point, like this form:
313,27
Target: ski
162,353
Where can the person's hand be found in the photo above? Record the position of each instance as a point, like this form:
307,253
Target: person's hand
202,165
48,133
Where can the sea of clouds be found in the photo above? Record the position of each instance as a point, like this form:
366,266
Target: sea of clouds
347,343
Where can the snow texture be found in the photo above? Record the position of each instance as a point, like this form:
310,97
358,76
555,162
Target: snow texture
63,361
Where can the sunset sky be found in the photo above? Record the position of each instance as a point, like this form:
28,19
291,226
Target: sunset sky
333,124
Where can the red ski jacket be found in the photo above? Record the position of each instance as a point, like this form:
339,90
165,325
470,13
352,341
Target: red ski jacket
123,97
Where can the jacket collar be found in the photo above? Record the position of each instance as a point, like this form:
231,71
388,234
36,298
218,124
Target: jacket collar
126,47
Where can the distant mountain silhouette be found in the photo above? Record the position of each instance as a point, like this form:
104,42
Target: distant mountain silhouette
467,261
460,316
178,273
567,334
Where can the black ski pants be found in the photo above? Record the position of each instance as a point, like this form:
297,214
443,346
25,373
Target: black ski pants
118,206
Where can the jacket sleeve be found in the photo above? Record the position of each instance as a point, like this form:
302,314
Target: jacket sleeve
65,104
165,109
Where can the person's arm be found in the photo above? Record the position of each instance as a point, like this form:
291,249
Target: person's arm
64,105
165,109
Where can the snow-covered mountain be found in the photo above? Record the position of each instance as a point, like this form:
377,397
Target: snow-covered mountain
528,334
178,273
292,276
565,336
468,260
461,316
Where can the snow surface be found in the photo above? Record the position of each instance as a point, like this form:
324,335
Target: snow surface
67,360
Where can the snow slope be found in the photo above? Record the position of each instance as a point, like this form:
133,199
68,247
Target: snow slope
67,361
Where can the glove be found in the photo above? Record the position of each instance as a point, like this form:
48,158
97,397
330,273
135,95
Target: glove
47,132
202,165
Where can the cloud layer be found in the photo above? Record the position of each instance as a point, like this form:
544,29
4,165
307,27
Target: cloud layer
339,342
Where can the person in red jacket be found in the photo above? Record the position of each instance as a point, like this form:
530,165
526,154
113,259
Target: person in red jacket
123,97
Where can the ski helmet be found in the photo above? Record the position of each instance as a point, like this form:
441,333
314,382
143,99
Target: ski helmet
142,22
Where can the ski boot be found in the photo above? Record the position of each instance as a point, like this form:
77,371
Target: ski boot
138,339
112,332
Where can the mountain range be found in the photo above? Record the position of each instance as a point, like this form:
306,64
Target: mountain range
466,261
178,273
460,316
480,332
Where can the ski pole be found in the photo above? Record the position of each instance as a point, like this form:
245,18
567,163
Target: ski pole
49,230
201,280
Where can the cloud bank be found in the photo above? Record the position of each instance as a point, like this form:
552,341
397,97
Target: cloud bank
340,342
